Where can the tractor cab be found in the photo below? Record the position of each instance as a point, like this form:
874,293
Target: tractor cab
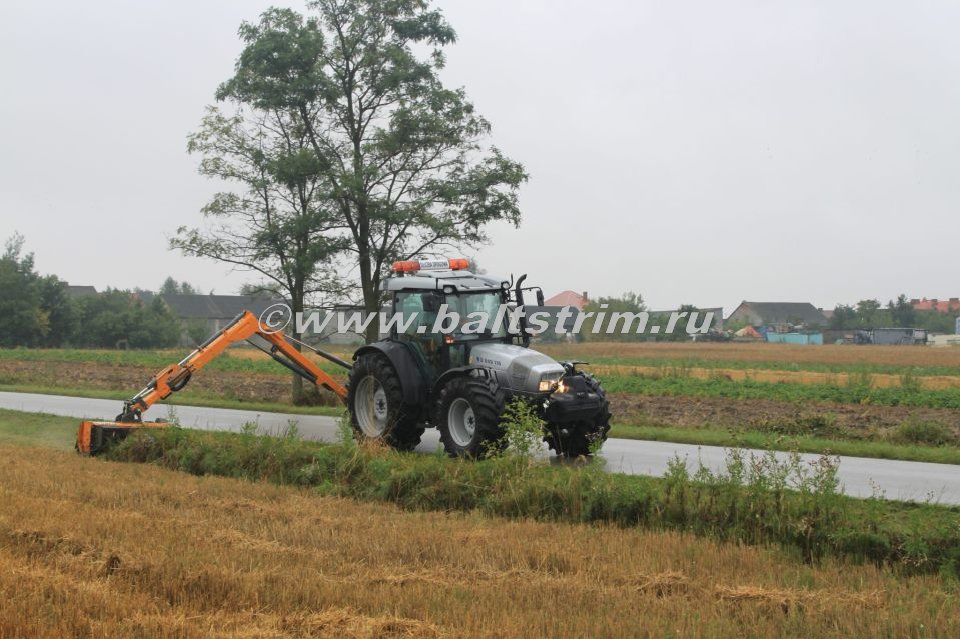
440,310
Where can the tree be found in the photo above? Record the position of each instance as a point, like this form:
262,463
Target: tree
22,321
279,225
170,286
902,312
61,311
867,312
393,162
117,318
629,302
844,317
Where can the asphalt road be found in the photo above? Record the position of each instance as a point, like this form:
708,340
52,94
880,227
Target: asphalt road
862,477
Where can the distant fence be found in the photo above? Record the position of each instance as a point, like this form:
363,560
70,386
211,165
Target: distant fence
795,338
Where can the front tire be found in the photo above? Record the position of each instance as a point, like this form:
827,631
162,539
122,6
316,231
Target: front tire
468,417
375,400
580,439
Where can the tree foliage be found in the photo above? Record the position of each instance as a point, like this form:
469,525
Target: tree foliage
23,321
118,319
36,311
899,313
337,110
274,221
171,286
629,302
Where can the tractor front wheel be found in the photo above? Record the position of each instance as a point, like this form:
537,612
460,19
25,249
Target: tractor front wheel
468,417
377,411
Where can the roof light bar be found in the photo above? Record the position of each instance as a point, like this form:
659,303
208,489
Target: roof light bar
459,264
412,266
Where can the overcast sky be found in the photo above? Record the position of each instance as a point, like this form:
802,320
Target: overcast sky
695,152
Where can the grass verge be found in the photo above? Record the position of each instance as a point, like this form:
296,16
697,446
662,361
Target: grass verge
707,436
37,429
756,501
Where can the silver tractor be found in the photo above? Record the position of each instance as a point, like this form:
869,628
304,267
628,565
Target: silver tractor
460,381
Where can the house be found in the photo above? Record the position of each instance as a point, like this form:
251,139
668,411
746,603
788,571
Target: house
774,313
941,306
79,292
568,298
204,315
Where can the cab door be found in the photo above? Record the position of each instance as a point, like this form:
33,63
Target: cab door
418,310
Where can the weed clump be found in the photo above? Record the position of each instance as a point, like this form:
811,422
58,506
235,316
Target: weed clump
924,433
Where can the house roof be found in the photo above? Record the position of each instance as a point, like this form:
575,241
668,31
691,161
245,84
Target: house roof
942,306
567,298
215,306
784,312
81,291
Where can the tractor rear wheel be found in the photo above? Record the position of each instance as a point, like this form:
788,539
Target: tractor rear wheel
468,417
377,411
580,438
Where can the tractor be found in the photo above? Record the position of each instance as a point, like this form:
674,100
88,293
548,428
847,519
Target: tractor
459,382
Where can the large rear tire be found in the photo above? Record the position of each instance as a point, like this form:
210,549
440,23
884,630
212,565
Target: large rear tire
581,438
468,417
375,400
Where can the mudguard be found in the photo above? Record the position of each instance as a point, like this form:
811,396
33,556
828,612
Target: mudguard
454,372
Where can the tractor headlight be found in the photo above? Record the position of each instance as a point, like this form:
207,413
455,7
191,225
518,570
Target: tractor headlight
549,382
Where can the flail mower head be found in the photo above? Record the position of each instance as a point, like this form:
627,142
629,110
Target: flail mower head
93,437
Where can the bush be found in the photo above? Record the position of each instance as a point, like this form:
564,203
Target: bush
924,433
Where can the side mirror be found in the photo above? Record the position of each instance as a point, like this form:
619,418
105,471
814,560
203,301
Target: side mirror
540,297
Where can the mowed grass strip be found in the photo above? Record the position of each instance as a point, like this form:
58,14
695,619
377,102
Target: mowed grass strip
90,548
756,500
37,430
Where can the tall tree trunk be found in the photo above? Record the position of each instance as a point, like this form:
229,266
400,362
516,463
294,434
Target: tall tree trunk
302,392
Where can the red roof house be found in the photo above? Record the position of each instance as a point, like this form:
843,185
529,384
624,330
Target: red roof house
941,306
568,298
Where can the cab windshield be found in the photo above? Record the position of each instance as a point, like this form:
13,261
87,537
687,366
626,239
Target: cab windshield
479,315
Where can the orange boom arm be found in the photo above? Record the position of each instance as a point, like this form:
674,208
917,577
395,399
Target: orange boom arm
93,435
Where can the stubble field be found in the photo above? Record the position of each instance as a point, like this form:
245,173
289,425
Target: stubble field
98,549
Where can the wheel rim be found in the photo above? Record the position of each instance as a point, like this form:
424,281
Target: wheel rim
461,422
371,407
